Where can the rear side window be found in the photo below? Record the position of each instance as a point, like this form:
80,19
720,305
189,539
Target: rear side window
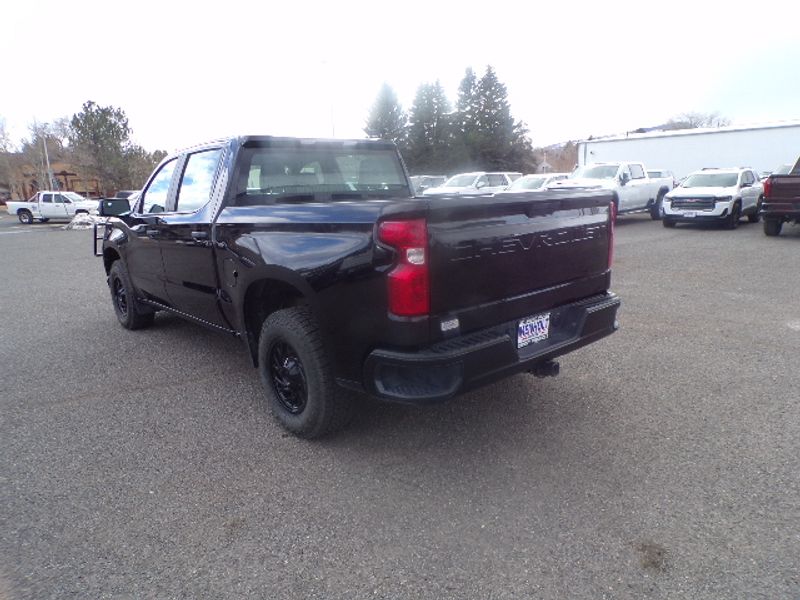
157,193
496,179
198,177
637,172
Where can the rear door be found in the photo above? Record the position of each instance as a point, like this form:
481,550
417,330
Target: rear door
750,190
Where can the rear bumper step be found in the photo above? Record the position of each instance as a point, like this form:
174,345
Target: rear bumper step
464,363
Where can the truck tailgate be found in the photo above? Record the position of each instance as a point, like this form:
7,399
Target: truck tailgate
497,259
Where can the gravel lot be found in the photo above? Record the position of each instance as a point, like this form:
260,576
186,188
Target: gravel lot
662,463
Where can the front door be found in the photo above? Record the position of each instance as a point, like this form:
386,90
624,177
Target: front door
185,240
143,251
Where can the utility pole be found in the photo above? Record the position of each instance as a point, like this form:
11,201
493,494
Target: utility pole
47,160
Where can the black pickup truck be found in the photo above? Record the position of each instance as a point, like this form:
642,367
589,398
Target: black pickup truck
781,200
338,280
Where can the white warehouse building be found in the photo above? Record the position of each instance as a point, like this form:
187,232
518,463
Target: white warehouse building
762,147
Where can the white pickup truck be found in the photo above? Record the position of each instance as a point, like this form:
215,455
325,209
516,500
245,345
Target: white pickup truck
47,205
633,190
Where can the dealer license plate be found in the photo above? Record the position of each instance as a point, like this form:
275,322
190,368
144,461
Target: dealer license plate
533,329
689,213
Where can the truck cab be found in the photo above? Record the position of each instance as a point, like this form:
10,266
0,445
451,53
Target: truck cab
52,204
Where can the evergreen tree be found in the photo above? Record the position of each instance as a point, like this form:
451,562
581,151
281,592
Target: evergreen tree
387,121
428,142
464,142
498,143
100,138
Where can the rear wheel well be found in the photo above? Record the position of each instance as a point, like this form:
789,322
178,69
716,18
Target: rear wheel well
261,300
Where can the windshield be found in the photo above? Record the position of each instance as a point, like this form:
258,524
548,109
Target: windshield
320,173
460,181
711,180
596,172
528,183
74,197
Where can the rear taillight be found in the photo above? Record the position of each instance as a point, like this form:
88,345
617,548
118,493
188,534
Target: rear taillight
767,187
612,214
408,282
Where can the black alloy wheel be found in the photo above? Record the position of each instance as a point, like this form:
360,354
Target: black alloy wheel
288,377
120,296
130,314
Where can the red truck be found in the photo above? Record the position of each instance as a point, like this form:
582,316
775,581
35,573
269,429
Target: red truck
781,200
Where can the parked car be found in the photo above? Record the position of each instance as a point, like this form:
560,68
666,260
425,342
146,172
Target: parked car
715,195
473,184
47,205
633,190
421,183
781,199
317,255
537,182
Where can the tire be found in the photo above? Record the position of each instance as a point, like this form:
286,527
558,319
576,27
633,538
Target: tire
655,210
297,376
772,227
668,224
130,313
732,221
25,217
755,216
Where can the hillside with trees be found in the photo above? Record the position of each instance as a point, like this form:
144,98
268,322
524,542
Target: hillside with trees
90,152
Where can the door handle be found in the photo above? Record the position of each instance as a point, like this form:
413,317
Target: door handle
151,233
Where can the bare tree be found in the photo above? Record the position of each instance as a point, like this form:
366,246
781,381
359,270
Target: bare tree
694,120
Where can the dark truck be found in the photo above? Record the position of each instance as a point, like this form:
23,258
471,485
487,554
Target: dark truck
338,280
781,200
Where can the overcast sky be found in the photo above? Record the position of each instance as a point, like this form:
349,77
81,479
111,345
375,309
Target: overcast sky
186,73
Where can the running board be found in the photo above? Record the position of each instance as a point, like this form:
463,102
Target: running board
189,317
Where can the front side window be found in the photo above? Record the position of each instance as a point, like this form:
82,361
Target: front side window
47,198
198,176
157,193
637,172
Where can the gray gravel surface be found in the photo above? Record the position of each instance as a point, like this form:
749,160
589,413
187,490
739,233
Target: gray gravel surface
662,463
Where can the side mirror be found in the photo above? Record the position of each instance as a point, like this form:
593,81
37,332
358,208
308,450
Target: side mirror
480,184
114,207
745,184
623,178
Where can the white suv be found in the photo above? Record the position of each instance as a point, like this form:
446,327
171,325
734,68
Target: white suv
715,195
